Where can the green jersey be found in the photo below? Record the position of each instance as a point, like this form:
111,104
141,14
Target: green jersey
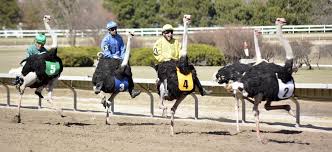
32,50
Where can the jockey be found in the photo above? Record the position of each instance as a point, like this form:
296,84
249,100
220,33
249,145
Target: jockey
168,48
113,47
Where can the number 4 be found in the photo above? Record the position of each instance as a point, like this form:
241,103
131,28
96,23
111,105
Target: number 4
185,84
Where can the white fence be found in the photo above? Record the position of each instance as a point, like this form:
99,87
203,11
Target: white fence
178,31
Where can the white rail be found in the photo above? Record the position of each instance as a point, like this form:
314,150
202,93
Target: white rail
178,31
148,85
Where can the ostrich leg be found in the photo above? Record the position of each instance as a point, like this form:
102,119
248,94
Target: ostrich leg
17,118
237,111
108,104
173,109
297,111
49,88
162,99
258,99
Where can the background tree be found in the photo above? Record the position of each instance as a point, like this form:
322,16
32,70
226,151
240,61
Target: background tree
322,12
78,15
134,13
9,13
302,50
31,14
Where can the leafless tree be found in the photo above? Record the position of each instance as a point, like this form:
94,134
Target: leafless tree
73,15
322,12
302,50
230,42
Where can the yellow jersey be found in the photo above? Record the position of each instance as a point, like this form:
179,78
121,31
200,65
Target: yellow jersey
164,50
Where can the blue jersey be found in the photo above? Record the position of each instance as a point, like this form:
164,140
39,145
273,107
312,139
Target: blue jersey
113,47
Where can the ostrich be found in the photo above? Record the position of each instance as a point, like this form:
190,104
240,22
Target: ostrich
268,82
111,78
169,72
233,72
40,71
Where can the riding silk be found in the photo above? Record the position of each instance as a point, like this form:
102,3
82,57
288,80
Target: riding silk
121,85
52,68
185,82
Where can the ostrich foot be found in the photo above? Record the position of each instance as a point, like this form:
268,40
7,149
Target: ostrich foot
39,94
290,112
263,140
205,92
135,93
17,118
60,112
103,102
172,131
108,121
164,114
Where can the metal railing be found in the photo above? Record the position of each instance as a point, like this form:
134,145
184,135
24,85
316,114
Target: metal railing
303,90
177,31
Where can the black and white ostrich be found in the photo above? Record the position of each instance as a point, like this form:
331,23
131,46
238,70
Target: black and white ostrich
168,73
268,82
233,72
41,71
112,77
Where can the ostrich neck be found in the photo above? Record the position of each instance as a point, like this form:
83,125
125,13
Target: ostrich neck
257,49
53,35
285,43
185,40
126,57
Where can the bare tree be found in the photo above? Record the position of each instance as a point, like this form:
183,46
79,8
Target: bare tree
73,15
230,41
77,15
302,50
322,12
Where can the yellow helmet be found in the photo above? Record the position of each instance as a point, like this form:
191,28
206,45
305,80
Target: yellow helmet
167,27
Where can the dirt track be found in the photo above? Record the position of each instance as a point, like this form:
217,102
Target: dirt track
44,130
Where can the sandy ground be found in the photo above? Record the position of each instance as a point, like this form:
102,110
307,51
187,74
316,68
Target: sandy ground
132,128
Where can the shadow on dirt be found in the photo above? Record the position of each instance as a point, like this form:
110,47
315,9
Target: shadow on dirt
280,132
310,126
288,142
70,124
136,124
223,133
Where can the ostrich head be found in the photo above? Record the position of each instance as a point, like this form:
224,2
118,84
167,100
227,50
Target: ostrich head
222,76
46,18
280,21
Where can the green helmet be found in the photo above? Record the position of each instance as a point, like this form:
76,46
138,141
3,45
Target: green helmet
40,38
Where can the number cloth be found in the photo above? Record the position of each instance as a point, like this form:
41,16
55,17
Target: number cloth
121,85
286,90
185,81
52,68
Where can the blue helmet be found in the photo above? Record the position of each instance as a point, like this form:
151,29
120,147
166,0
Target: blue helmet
111,24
